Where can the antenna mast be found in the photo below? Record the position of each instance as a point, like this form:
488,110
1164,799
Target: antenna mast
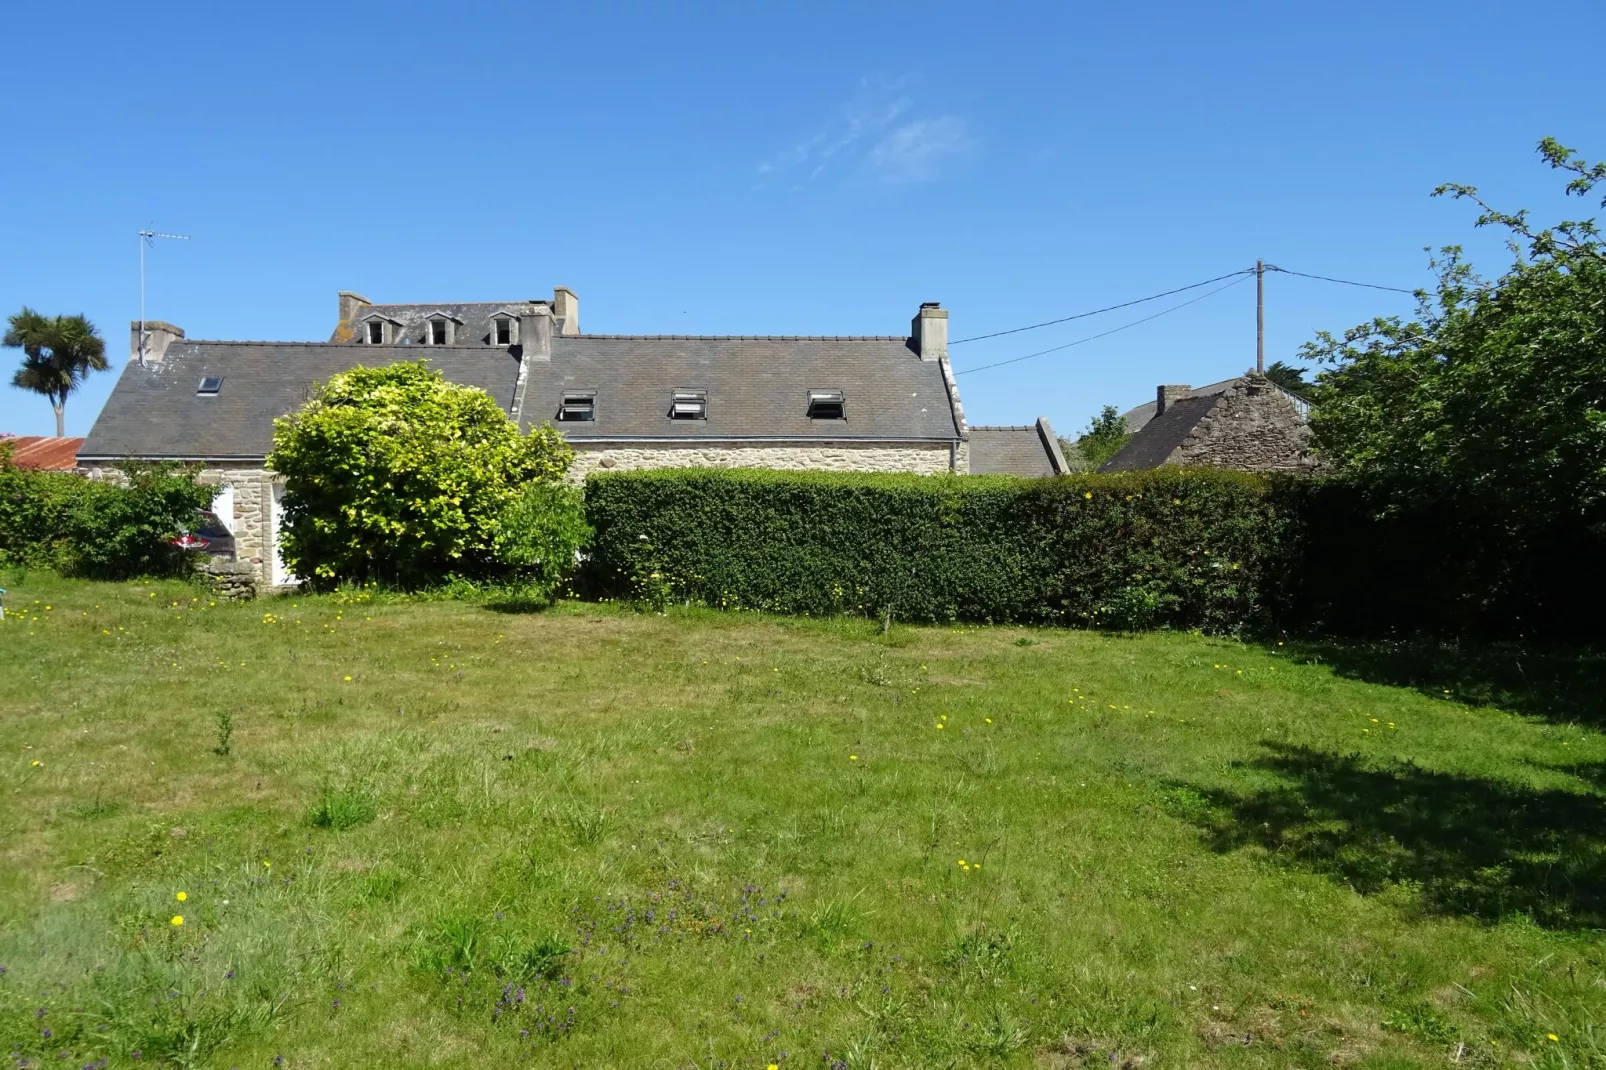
148,237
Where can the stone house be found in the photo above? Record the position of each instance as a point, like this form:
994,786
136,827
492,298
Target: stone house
1248,423
859,403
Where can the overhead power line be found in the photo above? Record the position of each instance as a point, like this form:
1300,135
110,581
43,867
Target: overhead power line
1345,282
1098,311
1243,276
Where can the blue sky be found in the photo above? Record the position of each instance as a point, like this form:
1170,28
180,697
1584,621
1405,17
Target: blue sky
777,169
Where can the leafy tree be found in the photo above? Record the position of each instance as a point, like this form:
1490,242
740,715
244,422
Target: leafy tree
542,532
58,353
1494,394
1290,378
394,474
1105,435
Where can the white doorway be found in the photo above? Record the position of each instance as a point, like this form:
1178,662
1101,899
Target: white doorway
281,575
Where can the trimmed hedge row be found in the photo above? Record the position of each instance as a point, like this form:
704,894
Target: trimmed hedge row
83,527
1169,548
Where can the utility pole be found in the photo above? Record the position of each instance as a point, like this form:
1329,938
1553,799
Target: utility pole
148,237
1260,317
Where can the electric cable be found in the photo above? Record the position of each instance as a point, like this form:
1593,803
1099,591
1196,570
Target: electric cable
1115,330
1098,311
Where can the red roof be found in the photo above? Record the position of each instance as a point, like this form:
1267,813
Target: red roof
50,454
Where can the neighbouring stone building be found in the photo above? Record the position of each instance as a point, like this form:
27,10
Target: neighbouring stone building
863,404
1249,423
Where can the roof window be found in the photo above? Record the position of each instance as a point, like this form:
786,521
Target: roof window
210,386
578,406
502,330
376,332
689,405
827,405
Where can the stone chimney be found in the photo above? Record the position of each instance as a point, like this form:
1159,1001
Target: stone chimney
351,305
1165,395
535,332
566,310
930,331
158,336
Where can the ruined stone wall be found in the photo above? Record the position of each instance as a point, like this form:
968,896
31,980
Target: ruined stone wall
253,509
1252,427
922,459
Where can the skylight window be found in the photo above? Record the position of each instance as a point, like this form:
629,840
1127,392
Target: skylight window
827,405
376,332
210,386
578,406
502,330
689,405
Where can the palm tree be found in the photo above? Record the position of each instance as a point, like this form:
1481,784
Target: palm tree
58,353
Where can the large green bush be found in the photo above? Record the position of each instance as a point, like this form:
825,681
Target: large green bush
396,475
1183,549
102,529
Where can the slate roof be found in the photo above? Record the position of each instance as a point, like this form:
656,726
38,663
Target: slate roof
1031,450
1138,417
758,388
474,316
44,454
1162,434
155,411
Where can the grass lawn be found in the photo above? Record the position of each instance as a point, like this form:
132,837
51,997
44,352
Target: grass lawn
437,834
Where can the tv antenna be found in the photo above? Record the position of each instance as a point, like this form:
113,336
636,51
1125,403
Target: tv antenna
148,237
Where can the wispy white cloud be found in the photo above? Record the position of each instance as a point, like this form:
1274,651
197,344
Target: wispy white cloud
918,150
874,129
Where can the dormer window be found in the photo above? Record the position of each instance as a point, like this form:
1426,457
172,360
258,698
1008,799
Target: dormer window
578,406
502,330
440,331
827,405
689,405
376,332
210,386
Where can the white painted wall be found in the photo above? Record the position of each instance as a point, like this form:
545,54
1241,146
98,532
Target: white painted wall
281,575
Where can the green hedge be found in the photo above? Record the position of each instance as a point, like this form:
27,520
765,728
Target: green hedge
85,527
1170,548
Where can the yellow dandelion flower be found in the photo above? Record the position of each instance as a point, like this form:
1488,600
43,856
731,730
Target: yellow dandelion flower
1087,494
266,864
939,724
178,919
37,763
853,757
348,679
182,896
989,720
961,861
1553,1037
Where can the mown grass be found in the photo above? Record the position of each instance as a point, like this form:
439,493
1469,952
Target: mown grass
436,834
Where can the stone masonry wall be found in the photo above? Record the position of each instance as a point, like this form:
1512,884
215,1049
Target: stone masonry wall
922,460
1253,428
253,505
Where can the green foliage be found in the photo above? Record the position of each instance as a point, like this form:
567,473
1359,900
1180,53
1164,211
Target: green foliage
1494,395
225,733
1169,548
541,533
58,353
342,808
1105,435
98,528
397,475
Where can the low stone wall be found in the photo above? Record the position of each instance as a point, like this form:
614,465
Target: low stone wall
230,580
921,459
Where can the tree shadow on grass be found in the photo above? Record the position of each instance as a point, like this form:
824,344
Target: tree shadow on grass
1464,845
1560,684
